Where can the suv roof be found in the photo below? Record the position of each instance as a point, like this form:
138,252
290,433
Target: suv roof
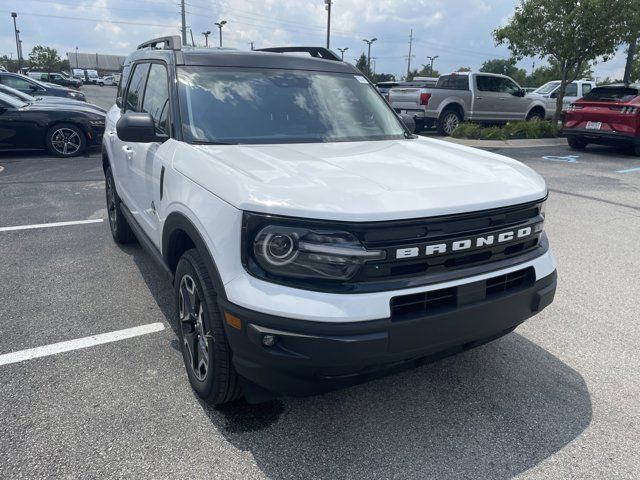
172,51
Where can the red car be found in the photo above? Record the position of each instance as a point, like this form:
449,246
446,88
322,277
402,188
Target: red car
607,115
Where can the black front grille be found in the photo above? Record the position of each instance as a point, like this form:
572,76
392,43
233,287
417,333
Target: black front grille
406,307
418,234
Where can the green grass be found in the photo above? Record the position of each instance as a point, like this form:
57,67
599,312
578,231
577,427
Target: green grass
511,130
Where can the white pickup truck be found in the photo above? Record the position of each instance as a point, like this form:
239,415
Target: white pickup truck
463,96
549,93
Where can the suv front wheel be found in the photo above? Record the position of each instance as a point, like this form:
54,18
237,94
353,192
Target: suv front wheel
205,349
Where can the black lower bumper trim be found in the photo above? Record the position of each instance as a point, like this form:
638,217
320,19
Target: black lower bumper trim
308,358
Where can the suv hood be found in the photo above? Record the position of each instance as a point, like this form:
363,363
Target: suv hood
359,181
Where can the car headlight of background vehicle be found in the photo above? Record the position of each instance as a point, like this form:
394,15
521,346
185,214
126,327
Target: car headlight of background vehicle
279,250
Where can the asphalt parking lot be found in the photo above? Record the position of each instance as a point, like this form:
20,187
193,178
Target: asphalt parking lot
558,398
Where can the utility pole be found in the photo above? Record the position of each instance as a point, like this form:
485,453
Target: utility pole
633,44
327,6
184,22
193,44
77,58
369,42
409,57
251,43
17,35
221,24
342,50
206,37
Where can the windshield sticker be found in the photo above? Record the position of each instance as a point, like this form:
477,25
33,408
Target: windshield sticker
361,79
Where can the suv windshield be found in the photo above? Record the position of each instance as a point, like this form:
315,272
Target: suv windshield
281,106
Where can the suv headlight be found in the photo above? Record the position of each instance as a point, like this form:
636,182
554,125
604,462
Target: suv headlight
278,250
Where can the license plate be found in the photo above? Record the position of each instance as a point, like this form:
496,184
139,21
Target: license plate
594,125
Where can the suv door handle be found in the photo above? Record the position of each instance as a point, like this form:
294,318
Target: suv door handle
478,98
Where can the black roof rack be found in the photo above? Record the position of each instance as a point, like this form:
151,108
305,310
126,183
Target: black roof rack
316,52
169,43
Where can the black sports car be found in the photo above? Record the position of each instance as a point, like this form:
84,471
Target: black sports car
64,130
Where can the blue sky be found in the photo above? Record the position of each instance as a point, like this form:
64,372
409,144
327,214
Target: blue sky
458,31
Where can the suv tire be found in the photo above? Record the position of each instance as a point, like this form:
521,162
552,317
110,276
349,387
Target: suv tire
636,149
120,229
448,121
577,143
205,349
66,140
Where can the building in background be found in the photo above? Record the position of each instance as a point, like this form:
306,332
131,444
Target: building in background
101,63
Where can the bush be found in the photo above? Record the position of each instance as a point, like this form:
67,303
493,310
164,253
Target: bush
468,130
515,130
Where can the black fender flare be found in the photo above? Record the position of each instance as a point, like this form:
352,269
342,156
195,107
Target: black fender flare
177,222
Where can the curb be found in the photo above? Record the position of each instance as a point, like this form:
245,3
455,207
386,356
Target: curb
539,142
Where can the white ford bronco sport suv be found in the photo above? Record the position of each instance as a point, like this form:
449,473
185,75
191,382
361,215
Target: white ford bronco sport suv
313,241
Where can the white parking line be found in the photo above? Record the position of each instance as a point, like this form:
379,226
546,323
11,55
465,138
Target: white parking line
54,348
49,225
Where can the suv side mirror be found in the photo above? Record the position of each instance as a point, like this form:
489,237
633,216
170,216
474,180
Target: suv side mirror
34,88
519,93
138,128
554,95
409,122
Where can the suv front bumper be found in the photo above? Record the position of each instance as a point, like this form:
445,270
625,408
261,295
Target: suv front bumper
314,357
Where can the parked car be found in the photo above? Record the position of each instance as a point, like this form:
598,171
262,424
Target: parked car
38,88
313,244
64,130
25,97
108,80
466,96
56,78
608,115
574,91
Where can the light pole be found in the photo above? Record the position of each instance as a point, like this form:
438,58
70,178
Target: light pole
342,50
221,24
327,6
431,67
206,37
369,42
77,67
15,29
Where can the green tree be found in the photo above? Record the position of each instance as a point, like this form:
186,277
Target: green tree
425,71
45,59
571,32
361,64
631,31
505,66
10,64
464,69
382,77
551,72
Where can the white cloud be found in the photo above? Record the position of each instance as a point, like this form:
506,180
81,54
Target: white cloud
458,31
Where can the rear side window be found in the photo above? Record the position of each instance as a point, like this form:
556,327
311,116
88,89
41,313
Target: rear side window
454,82
133,102
488,83
572,90
156,98
586,88
15,82
612,94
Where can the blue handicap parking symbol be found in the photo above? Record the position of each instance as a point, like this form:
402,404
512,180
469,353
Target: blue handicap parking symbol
567,158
